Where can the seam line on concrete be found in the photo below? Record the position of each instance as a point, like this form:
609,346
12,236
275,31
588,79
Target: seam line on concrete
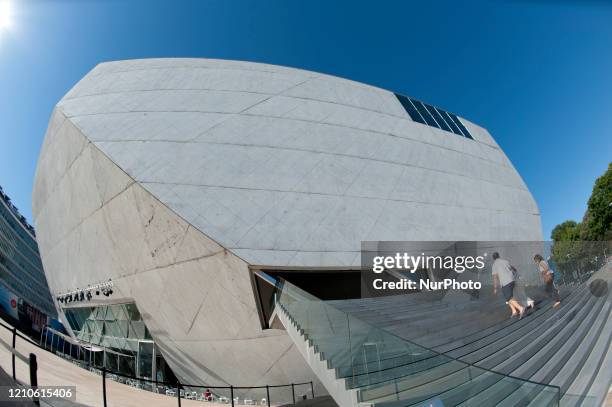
179,245
195,316
361,129
231,115
341,196
161,268
132,182
170,67
358,157
284,71
44,147
134,91
167,266
271,365
83,148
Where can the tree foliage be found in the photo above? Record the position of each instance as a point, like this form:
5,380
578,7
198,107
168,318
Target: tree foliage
582,246
597,221
567,231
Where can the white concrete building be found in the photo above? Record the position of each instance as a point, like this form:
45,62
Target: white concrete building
174,178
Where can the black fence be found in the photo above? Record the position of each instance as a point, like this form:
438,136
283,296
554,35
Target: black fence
251,395
30,360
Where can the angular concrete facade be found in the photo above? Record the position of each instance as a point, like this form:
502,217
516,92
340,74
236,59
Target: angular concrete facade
173,176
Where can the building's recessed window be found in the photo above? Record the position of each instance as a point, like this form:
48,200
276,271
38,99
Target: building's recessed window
465,131
441,123
433,116
426,115
409,107
450,122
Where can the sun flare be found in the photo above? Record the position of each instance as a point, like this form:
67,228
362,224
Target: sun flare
5,14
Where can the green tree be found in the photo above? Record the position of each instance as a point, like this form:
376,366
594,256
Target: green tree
567,231
597,220
580,246
566,248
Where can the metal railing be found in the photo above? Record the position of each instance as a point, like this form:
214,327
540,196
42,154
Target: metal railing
177,390
30,360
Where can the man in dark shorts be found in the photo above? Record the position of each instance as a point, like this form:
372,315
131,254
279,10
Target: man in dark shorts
503,275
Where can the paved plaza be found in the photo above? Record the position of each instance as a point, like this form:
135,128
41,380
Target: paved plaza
55,371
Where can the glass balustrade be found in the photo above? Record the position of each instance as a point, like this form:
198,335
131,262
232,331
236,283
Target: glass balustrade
388,370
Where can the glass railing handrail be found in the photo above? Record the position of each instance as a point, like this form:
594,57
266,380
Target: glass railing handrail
298,294
475,389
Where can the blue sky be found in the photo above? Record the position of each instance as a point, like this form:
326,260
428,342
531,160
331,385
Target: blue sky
537,74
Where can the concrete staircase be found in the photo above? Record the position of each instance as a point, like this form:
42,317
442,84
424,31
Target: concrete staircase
410,351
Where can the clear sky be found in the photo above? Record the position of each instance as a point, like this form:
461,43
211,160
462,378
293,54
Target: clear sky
537,74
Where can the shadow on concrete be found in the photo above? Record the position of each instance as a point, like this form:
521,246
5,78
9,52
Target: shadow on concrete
323,401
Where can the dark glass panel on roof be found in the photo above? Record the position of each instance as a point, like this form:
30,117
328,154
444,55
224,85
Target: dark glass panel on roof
450,122
426,115
441,123
465,132
410,109
432,116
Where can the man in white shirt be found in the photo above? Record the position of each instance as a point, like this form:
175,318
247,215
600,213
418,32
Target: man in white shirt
503,275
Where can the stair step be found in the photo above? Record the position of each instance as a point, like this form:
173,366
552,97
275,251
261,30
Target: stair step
487,359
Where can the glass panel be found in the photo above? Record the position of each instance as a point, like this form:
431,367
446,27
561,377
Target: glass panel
72,321
145,359
410,109
465,132
384,367
112,362
112,329
81,315
450,122
132,345
109,316
427,114
122,328
105,342
114,343
423,111
147,333
127,365
89,327
132,312
98,313
99,326
97,358
137,330
120,313
121,343
441,123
